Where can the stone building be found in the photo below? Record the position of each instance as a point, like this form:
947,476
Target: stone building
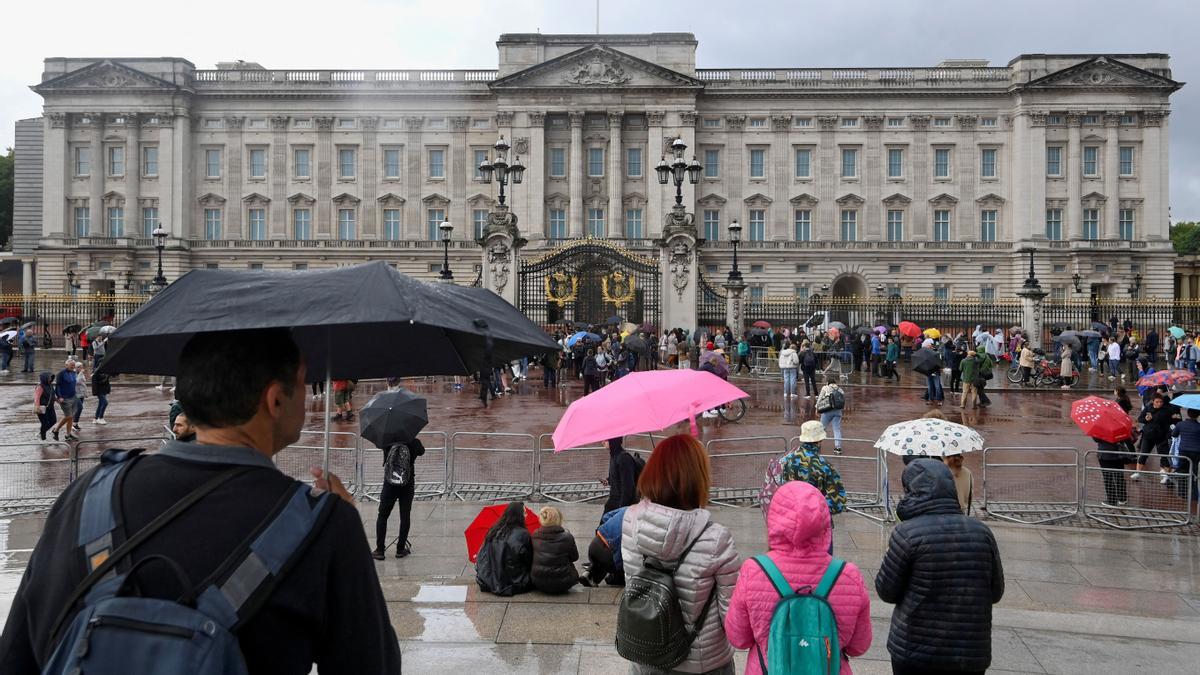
911,181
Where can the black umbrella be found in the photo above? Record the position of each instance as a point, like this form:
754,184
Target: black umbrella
346,322
614,320
392,417
1068,338
1101,327
636,344
73,328
926,361
756,332
9,319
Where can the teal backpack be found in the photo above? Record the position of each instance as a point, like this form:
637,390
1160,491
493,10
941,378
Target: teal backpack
804,633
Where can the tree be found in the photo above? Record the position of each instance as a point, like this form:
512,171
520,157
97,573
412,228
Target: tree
1186,238
7,162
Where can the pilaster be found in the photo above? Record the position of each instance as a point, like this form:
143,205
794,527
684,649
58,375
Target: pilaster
368,225
825,224
616,174
655,193
133,177
235,183
277,214
1109,228
460,170
967,170
922,182
533,212
679,260
323,228
96,183
56,163
734,170
414,172
575,176
872,177
1073,174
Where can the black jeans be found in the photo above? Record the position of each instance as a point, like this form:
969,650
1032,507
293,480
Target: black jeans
1149,446
810,381
549,377
1114,480
601,560
47,420
388,498
955,379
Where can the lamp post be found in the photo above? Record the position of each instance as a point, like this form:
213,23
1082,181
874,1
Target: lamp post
501,169
71,282
1031,281
160,242
447,229
735,236
1078,282
1136,286
678,170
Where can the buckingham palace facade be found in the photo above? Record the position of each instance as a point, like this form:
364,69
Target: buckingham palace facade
918,181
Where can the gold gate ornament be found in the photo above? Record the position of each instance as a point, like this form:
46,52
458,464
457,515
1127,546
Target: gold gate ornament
561,288
618,288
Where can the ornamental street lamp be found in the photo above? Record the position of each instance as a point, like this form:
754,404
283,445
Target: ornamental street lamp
1136,286
678,169
1078,282
160,242
446,229
501,169
71,282
1032,281
735,236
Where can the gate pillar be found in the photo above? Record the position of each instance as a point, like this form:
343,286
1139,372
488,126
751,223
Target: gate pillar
502,244
1031,295
679,260
734,316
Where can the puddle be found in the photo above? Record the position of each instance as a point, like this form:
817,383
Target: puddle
442,594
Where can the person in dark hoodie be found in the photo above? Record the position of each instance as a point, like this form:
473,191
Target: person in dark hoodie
554,554
623,471
942,570
43,402
504,562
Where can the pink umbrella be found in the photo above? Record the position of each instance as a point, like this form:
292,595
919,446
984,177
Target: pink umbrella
640,402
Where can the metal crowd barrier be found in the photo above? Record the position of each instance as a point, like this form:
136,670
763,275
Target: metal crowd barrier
85,460
572,476
432,468
32,485
738,475
1031,490
864,473
1109,496
764,361
295,460
493,469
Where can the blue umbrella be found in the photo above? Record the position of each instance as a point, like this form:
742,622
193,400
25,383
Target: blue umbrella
582,335
1189,401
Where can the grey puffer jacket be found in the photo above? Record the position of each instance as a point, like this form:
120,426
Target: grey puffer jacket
710,567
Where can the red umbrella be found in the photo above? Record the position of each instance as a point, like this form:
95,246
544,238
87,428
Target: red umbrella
761,324
1101,418
910,329
489,516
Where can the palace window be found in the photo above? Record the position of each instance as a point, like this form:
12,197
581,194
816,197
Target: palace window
758,167
1053,160
941,293
987,121
595,223
895,163
116,221
558,162
1126,160
941,269
987,163
1091,224
712,225
346,164
301,163
149,221
803,122
150,160
803,163
82,221
479,219
595,162
712,122
849,163
212,224
803,224
941,225
257,224
346,224
258,163
941,163
987,225
116,161
212,163
987,294
633,162
758,122
633,223
434,218
480,157
1091,153
1054,224
1125,224
895,225
558,224
302,224
83,161
941,121
391,224
437,163
391,163
849,225
849,122
758,225
895,122
801,293
712,163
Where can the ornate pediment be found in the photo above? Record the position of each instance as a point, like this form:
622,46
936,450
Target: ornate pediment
106,75
113,197
804,200
436,199
990,199
301,199
944,200
1093,200
391,199
1104,72
255,199
346,199
479,198
897,200
850,200
757,199
597,67
210,199
711,200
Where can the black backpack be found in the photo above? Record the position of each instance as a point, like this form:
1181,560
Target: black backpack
650,626
398,465
810,359
837,399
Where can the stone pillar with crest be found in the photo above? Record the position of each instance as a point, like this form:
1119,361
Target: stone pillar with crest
679,259
502,243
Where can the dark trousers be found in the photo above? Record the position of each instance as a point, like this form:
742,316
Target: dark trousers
590,383
1194,467
743,361
955,379
1149,446
5,359
389,498
902,669
101,405
601,560
47,420
810,381
983,398
28,366
1114,480
549,377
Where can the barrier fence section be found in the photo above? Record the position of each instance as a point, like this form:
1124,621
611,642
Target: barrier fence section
739,465
1023,487
1111,497
491,467
432,468
295,460
863,470
572,476
31,485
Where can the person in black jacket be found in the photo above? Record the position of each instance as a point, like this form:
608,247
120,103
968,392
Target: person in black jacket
942,570
506,558
1112,468
1156,421
393,493
623,471
554,554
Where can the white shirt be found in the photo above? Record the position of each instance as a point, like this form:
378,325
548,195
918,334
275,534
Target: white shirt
1114,351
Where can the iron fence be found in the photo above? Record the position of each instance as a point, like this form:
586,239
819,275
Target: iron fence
53,313
1109,495
32,485
864,473
1031,490
710,305
493,466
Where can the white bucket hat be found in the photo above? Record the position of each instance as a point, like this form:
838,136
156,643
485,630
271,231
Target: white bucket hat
812,432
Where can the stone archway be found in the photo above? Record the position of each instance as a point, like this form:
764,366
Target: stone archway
849,285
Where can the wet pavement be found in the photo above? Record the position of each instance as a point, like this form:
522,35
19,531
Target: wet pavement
1078,601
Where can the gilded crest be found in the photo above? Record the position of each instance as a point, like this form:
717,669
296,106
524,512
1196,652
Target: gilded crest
617,288
561,288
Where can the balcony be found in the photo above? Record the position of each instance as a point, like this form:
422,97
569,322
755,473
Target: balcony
267,80
855,78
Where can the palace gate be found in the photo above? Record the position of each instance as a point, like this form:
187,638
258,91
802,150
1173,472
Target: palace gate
587,281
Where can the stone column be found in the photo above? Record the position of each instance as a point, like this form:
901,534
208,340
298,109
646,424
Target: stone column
733,306
873,181
1185,287
1031,312
277,214
414,170
1073,174
323,182
1156,133
679,259
167,174
133,179
534,207
1109,228
1035,169
56,165
655,195
27,277
734,171
183,169
921,180
616,174
99,224
233,164
782,173
459,170
575,176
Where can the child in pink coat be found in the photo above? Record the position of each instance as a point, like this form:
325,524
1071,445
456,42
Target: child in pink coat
798,534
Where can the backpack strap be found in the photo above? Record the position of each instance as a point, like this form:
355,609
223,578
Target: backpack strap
777,579
830,578
259,564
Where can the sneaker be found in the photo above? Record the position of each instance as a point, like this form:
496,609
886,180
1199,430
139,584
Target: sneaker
585,581
102,422
1136,475
75,427
72,437
1109,504
1122,503
806,397
837,450
54,434
402,552
377,554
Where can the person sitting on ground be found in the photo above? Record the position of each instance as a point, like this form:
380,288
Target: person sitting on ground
504,562
942,570
554,554
798,534
670,520
604,553
245,393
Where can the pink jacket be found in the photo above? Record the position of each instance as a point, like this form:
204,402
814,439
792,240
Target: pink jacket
798,533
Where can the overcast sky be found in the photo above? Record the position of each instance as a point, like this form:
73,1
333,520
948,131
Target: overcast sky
462,34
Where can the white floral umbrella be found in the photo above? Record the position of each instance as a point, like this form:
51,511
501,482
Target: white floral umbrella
929,437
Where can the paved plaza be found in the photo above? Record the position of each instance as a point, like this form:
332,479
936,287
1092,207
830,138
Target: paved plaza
1077,601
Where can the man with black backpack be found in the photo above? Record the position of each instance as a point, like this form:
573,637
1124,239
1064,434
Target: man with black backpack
399,485
208,542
